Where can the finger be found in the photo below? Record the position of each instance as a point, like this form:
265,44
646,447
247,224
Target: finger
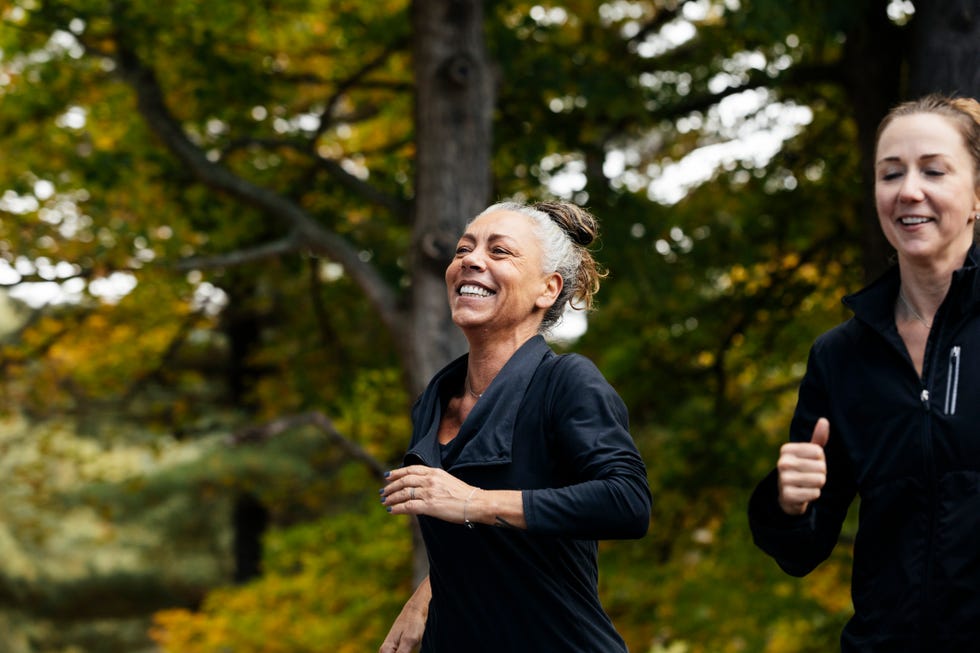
402,496
821,432
414,476
801,451
803,480
800,496
389,645
390,489
402,472
403,482
395,645
404,646
810,459
410,642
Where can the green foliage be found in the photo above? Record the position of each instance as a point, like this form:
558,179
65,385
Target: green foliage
703,327
237,76
83,564
334,584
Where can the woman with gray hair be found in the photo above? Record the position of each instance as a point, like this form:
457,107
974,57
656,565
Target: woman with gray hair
520,459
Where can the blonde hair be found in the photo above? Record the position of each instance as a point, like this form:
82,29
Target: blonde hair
963,113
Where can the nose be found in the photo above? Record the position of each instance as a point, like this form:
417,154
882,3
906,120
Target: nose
472,259
911,189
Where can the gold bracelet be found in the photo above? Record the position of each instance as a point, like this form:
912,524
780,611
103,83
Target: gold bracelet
466,521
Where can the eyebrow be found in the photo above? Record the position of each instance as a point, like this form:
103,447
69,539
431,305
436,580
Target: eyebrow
924,157
490,239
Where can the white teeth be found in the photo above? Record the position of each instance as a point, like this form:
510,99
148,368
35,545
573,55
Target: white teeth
910,220
475,291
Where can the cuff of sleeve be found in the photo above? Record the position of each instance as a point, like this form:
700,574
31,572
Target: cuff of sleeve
527,500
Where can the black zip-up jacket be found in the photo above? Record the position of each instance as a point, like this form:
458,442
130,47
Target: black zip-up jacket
910,447
552,427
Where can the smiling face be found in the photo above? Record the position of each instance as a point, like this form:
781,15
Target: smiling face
496,281
925,189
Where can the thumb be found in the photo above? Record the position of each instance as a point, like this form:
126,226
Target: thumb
821,432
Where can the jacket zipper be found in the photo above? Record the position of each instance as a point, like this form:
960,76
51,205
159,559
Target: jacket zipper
952,380
932,492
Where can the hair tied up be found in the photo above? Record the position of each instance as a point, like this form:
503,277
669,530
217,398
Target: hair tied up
580,225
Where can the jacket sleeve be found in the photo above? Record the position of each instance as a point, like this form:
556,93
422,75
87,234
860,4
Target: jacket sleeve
800,543
609,496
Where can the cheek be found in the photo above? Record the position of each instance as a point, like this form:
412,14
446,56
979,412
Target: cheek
882,201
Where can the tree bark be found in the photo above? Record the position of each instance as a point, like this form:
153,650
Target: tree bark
454,110
872,79
454,103
945,54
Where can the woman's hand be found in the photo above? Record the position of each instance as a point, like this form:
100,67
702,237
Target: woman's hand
802,470
421,490
406,633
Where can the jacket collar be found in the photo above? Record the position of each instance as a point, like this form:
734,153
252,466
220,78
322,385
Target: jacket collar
875,304
487,434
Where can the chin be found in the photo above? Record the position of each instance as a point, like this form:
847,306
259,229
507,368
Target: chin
467,321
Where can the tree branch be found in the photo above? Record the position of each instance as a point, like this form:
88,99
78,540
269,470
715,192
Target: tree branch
655,24
800,75
168,355
152,106
344,86
37,278
269,430
328,335
289,244
371,193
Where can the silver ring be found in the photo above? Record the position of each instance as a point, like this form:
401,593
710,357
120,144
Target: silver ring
411,493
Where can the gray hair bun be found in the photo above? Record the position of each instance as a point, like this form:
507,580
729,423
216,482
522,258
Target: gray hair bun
580,225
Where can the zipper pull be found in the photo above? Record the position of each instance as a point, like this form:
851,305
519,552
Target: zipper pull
924,398
952,380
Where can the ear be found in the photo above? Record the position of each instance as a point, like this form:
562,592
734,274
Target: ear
553,283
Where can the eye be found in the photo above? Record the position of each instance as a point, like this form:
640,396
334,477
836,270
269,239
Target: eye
932,172
500,251
890,175
462,249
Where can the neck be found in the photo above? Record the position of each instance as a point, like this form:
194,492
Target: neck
487,356
925,286
933,272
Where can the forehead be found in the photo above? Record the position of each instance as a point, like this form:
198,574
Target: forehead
921,134
507,224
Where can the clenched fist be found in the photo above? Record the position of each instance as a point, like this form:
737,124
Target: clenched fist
802,470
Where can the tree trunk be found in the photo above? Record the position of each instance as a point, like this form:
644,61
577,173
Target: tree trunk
872,74
250,518
945,54
454,104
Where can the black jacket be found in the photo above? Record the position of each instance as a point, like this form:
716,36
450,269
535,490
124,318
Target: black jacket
552,427
910,447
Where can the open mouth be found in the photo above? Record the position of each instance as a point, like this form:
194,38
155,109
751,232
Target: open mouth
912,220
473,290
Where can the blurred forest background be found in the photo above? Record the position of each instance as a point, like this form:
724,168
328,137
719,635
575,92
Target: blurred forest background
223,227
